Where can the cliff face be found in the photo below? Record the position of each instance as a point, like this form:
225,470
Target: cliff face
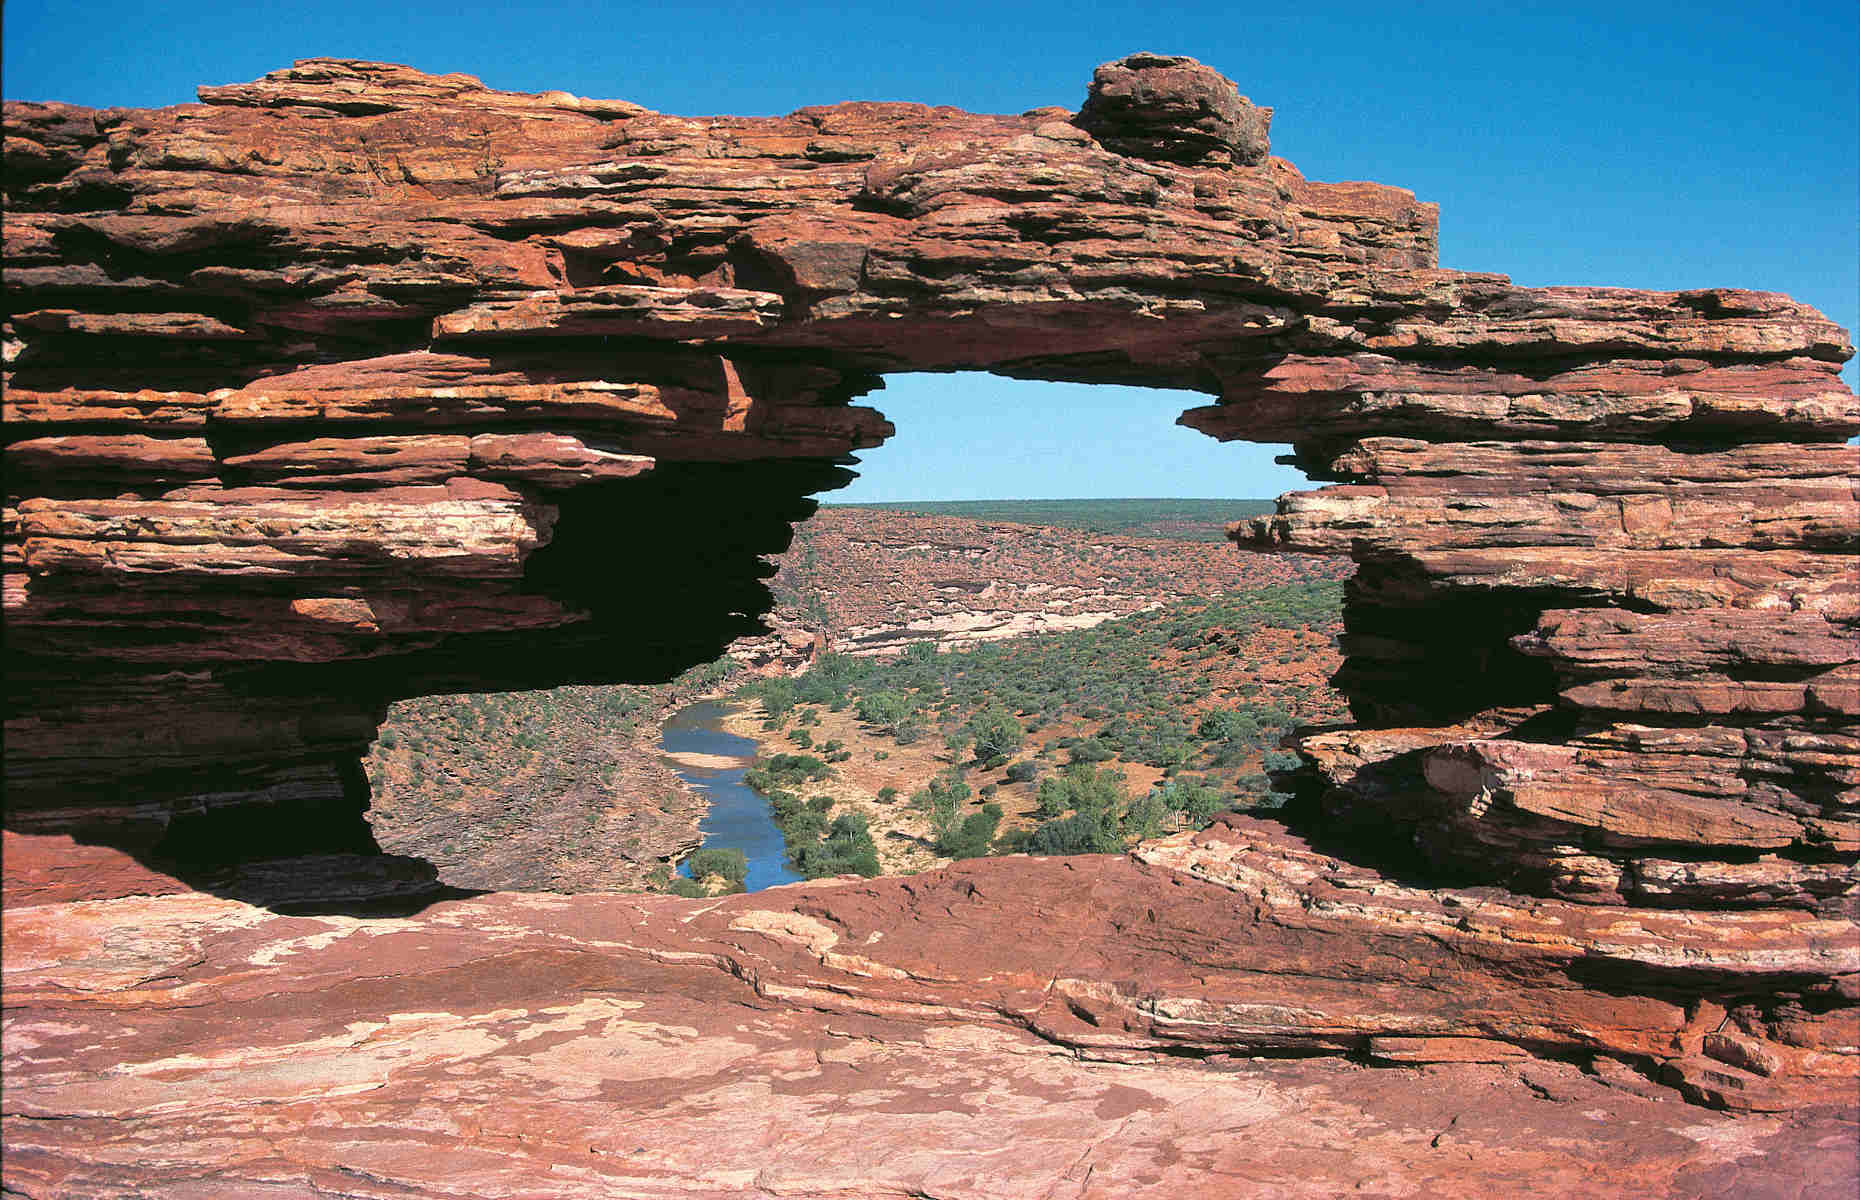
356,383
872,582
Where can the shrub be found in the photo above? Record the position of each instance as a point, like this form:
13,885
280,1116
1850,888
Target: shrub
846,849
1197,802
1022,772
728,862
784,804
885,710
1228,726
1014,841
1144,817
802,826
972,838
1281,761
1077,834
780,771
995,733
776,695
1100,810
947,788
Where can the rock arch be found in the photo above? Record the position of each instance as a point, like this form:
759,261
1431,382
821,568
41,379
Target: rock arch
355,382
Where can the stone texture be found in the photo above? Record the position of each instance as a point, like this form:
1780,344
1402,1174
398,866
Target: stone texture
1174,109
900,1037
356,383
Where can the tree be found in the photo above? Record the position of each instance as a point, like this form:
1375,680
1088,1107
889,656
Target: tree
1054,797
826,681
995,732
1077,834
846,849
1281,761
942,800
885,710
1197,802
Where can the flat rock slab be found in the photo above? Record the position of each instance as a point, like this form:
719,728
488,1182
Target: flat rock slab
522,1045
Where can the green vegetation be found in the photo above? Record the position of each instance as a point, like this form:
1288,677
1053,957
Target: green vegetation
778,771
1039,734
1184,520
995,734
1098,803
816,847
1138,690
974,836
725,863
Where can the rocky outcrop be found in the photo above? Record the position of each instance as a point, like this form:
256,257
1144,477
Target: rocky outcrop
1174,1030
357,383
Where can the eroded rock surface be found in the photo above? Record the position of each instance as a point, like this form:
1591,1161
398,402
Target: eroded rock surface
356,383
904,1037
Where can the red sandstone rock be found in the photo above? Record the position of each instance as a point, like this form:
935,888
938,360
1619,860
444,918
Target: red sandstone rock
1308,399
844,1037
1171,108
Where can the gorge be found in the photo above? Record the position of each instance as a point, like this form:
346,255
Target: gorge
354,383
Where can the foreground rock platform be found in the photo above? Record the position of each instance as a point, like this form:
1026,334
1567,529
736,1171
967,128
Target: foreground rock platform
355,383
894,1037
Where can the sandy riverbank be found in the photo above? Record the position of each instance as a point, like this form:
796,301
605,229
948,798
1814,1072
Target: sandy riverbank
706,762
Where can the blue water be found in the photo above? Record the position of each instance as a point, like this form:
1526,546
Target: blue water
739,817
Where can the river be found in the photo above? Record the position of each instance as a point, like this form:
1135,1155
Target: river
739,816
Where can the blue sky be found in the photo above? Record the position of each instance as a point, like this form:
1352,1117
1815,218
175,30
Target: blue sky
1643,145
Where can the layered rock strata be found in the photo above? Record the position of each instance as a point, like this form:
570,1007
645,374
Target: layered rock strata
356,383
1176,1031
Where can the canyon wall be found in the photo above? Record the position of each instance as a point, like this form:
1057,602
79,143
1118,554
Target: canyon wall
355,383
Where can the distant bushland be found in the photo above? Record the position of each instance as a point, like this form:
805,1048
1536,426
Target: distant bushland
1138,691
1182,520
